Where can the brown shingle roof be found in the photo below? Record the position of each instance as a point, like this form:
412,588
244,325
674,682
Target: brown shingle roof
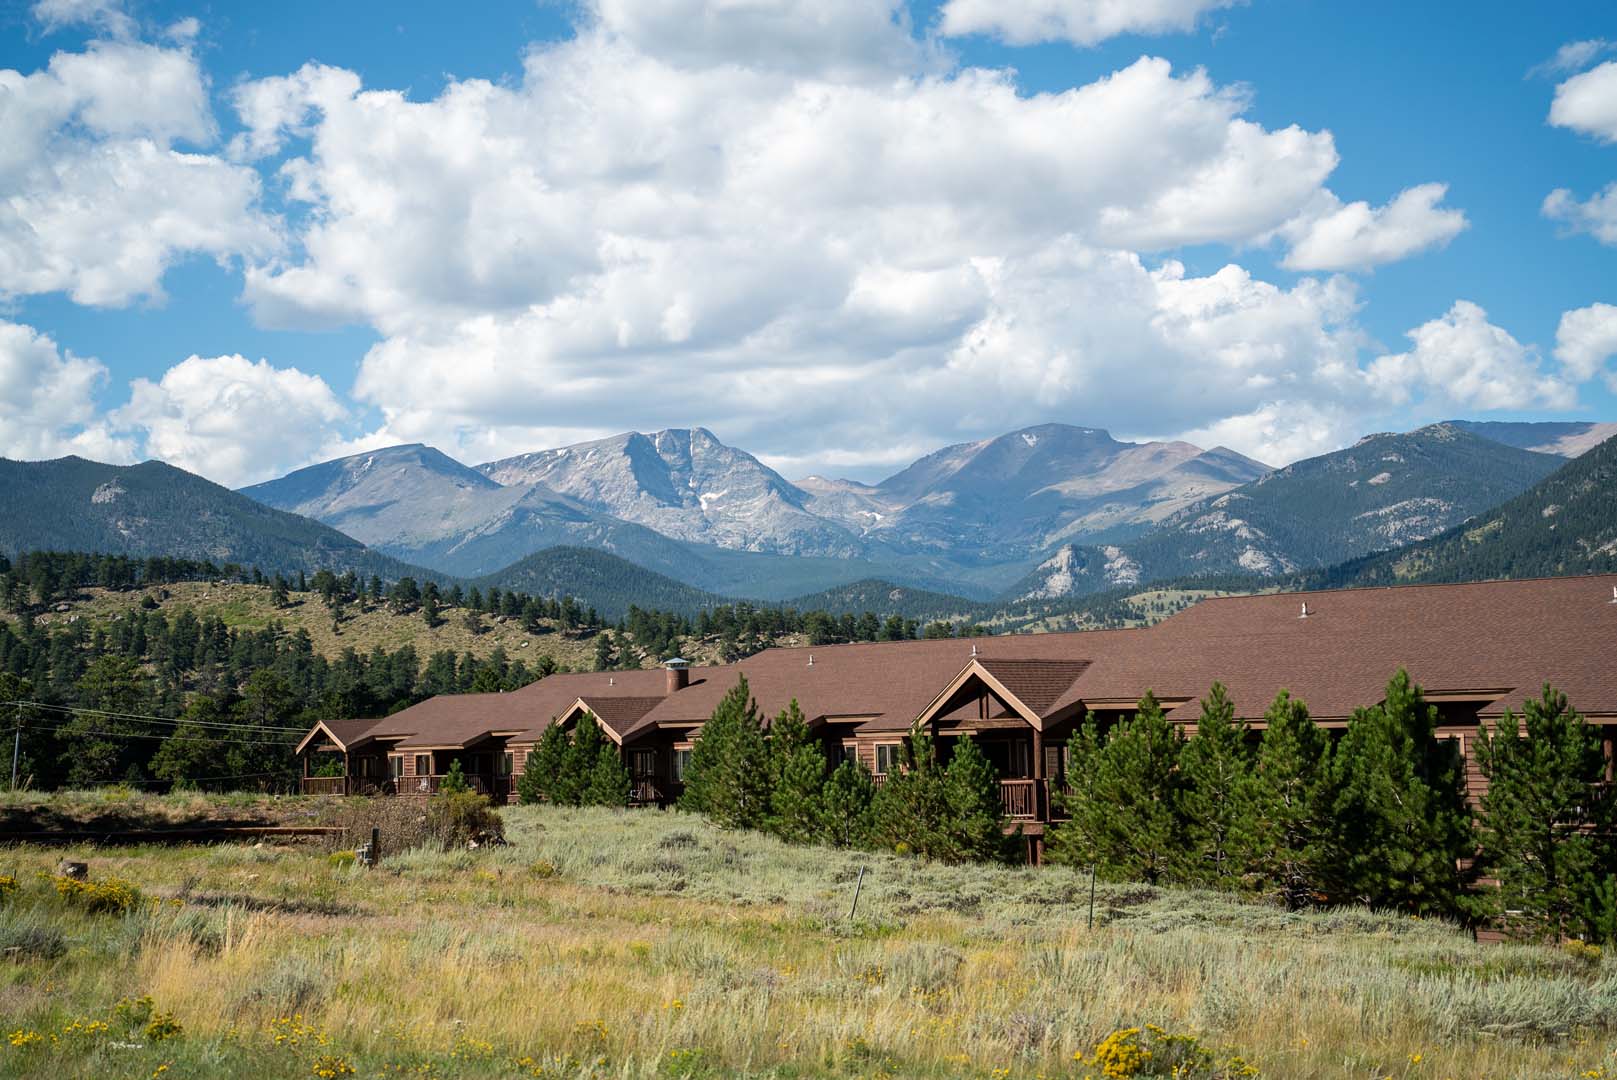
1038,684
1499,638
1488,636
620,714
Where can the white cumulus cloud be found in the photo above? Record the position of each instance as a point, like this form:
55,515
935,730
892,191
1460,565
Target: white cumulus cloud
1356,236
1082,22
1467,361
230,419
844,37
1587,103
100,198
47,400
1585,340
109,16
1596,215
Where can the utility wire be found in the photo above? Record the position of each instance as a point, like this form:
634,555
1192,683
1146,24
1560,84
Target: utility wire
194,779
158,735
141,717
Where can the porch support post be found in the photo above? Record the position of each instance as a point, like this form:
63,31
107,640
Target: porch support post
1040,799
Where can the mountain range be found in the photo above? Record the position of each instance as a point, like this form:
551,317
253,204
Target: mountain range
1044,514
1386,491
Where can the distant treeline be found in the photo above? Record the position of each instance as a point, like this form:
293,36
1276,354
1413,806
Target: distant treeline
153,698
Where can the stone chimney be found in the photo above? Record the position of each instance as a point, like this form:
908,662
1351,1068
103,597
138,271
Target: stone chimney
679,673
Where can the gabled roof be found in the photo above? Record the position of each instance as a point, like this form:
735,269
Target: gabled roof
617,715
344,734
1026,687
1038,684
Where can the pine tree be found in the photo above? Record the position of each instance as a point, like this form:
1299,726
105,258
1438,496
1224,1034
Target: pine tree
911,809
797,766
573,784
1545,807
728,775
1216,765
607,782
454,781
845,801
1401,821
1124,812
975,821
545,764
1281,838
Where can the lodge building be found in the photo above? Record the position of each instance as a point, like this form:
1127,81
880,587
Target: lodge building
1476,649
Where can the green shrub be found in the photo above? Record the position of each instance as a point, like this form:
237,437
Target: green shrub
463,819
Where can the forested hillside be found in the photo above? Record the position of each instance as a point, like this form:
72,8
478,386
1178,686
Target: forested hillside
158,510
612,585
1565,524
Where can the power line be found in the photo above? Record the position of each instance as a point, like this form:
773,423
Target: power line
141,717
161,735
194,779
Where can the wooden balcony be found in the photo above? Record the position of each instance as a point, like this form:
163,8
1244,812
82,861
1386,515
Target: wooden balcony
1022,799
496,787
648,791
325,785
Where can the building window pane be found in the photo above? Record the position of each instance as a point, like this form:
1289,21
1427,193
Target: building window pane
887,758
507,763
682,761
423,764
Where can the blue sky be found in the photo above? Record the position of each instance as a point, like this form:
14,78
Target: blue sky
867,339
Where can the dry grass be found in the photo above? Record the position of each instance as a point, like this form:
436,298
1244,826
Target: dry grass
639,944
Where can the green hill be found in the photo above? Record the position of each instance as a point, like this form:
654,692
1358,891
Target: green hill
886,598
599,580
71,504
1564,524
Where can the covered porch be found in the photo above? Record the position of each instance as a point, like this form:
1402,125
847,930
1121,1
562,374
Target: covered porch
1015,713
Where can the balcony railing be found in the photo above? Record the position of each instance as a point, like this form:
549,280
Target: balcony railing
1020,799
496,786
325,785
644,791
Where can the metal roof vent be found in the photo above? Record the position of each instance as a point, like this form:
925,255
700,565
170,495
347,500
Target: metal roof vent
1613,599
676,662
974,650
1306,613
611,680
811,660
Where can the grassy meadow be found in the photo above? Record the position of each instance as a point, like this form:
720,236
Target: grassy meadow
643,944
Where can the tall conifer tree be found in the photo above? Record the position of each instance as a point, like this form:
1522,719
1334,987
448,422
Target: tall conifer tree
1216,765
845,801
1544,815
728,777
975,819
1125,807
798,769
1401,819
1281,837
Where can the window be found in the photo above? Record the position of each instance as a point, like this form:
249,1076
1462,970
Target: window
395,765
643,764
887,758
423,764
682,761
508,763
